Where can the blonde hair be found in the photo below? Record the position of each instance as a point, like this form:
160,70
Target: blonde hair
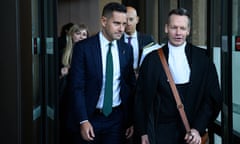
67,55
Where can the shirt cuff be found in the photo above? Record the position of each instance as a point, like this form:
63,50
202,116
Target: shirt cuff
83,121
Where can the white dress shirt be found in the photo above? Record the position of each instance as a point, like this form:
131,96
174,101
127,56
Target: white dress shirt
178,64
116,71
134,43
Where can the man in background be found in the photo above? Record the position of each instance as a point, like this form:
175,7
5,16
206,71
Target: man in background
136,39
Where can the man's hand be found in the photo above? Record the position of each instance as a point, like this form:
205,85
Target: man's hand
86,131
144,139
193,137
129,132
64,71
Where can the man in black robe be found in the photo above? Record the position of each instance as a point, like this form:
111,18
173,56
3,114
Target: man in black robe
157,119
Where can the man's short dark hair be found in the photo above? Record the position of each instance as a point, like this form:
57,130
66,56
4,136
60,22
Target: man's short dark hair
111,7
181,12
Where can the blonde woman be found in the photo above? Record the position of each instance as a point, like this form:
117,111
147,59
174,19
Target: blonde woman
75,34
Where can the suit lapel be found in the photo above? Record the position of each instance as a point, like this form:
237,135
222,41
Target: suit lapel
121,53
97,56
122,38
189,54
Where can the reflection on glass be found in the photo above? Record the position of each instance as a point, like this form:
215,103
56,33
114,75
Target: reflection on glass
236,66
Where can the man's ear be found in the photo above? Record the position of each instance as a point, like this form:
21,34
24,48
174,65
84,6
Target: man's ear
103,21
137,19
166,28
188,32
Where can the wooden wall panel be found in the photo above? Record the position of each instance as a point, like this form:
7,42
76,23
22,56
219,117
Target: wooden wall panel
79,11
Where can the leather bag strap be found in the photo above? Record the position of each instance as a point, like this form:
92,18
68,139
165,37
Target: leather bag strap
177,98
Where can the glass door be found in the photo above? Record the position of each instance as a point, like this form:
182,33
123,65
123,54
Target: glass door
44,72
236,66
230,55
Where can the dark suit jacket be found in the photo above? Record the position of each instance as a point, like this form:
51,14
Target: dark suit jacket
86,80
143,40
202,98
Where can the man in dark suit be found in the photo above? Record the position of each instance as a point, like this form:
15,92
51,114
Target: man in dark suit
95,61
196,80
136,39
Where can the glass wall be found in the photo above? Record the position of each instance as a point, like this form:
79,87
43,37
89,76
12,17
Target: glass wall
236,64
230,71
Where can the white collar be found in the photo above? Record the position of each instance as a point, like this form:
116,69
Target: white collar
178,64
104,41
134,35
177,50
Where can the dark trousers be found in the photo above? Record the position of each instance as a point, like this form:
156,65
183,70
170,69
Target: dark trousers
108,130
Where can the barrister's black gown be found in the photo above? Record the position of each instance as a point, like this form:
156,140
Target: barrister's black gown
201,97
